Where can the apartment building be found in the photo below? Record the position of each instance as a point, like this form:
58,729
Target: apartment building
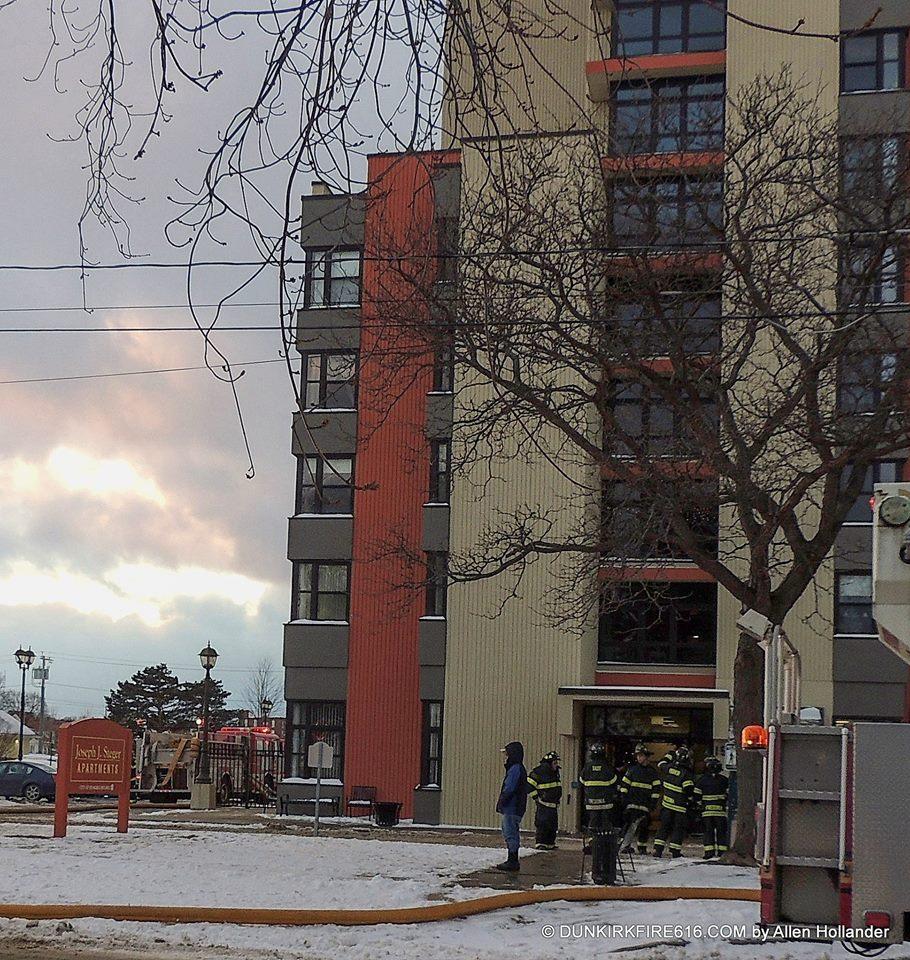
417,689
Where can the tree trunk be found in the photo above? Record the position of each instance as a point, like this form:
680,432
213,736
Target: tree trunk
748,705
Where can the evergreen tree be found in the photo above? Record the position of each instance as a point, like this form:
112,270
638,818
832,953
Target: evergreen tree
151,694
189,704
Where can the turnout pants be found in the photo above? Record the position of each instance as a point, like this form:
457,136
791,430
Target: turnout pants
545,824
671,831
603,846
644,823
715,835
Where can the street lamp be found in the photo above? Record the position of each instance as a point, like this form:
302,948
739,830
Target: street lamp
266,707
207,657
25,658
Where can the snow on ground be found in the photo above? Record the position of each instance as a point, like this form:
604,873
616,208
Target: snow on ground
94,864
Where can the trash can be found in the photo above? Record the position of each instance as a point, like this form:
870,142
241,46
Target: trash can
386,813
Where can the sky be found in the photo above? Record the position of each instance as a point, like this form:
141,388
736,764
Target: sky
129,532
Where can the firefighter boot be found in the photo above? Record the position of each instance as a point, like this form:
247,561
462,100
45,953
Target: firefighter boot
511,865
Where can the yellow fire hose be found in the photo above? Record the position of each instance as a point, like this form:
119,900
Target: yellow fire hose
425,914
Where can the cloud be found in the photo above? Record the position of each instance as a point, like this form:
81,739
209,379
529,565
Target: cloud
142,590
74,471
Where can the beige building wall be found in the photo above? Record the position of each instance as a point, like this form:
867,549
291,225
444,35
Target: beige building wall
504,665
752,52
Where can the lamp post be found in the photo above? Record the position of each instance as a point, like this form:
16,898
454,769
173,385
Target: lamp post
265,708
25,658
207,657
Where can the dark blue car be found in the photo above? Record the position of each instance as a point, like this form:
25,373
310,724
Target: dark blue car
29,780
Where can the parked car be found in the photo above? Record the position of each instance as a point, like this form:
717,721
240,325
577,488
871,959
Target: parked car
32,781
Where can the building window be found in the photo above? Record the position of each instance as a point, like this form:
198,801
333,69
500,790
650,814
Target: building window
677,624
671,26
443,372
431,760
853,605
437,584
661,212
670,116
332,278
882,471
872,275
330,381
440,470
872,166
636,528
864,381
325,485
649,425
311,721
873,61
322,591
687,322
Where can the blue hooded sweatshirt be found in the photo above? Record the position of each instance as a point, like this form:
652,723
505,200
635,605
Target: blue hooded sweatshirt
513,796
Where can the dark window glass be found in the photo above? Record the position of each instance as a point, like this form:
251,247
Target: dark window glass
437,582
872,166
326,485
864,381
332,278
440,470
672,116
330,381
443,372
431,760
884,471
872,275
873,61
642,27
648,425
667,212
687,322
635,528
311,721
322,591
678,625
853,604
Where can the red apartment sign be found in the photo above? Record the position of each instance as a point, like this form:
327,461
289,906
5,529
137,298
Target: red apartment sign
93,756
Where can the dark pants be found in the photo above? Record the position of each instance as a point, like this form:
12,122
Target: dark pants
644,823
599,821
546,821
715,835
671,831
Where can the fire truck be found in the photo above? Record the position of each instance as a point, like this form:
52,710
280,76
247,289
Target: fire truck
245,763
833,839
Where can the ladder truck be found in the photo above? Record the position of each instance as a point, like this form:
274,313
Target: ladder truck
833,838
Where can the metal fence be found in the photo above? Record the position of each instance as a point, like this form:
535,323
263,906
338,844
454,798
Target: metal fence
245,776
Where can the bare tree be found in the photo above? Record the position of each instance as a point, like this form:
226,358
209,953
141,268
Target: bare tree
264,683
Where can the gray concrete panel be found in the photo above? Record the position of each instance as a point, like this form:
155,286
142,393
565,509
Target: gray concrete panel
330,329
427,805
315,683
431,643
884,112
853,548
865,660
435,528
432,683
332,220
316,644
855,14
873,701
440,414
324,431
320,538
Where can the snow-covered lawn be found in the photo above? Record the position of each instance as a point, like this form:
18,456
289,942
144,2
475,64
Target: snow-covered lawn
156,866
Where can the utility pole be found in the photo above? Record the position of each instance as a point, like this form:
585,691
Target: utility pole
45,663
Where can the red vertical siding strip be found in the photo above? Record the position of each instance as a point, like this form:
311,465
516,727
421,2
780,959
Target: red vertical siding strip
383,728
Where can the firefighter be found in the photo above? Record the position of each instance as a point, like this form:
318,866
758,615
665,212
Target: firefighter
545,788
640,793
599,782
677,792
711,795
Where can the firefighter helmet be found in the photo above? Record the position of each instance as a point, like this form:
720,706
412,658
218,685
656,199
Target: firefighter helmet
682,755
712,765
596,750
551,757
641,748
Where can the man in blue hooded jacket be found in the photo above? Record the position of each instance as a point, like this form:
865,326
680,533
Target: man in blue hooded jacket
513,799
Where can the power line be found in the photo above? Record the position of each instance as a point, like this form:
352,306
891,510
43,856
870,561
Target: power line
138,306
138,663
136,373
